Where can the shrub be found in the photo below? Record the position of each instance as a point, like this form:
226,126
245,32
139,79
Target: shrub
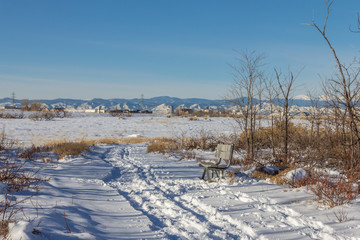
115,113
14,177
12,115
32,151
14,174
193,118
5,142
329,191
332,192
61,113
42,115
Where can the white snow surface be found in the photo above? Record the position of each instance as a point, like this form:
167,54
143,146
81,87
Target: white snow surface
123,192
296,174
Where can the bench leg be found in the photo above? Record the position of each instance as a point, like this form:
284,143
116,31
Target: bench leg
210,173
203,173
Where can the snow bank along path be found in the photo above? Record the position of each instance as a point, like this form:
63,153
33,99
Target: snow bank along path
121,192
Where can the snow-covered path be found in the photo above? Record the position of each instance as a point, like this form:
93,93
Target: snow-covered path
186,207
166,202
122,192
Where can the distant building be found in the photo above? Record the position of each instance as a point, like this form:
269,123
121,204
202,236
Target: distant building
100,109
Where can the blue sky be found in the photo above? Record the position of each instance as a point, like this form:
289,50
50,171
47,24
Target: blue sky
124,48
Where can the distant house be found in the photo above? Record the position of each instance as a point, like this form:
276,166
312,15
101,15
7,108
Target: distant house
90,110
100,109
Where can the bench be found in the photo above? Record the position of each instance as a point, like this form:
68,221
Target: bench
224,154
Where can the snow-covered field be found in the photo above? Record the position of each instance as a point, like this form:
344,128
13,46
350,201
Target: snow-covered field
93,126
122,192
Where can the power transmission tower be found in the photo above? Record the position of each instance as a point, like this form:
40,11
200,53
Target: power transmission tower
142,102
13,99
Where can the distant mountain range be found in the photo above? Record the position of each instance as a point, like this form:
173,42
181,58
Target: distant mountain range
142,104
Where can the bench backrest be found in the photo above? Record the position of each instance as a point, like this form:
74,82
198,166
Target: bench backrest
225,152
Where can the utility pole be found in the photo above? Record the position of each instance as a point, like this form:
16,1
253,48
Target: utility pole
142,102
13,99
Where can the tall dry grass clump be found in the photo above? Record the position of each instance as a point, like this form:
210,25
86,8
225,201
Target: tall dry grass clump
205,140
69,148
163,145
64,147
135,140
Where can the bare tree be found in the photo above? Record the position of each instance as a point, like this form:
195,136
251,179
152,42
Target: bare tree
314,116
272,94
35,106
25,105
343,92
247,75
286,89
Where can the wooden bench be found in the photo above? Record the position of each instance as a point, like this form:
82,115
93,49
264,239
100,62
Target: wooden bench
224,154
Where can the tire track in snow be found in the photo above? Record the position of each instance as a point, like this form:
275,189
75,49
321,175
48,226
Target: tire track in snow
166,209
124,172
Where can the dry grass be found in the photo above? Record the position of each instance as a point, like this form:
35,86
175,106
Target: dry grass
70,148
163,145
135,140
280,178
260,174
4,228
193,119
107,141
64,147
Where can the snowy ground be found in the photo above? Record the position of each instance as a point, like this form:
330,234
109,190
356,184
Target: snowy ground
94,126
121,192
